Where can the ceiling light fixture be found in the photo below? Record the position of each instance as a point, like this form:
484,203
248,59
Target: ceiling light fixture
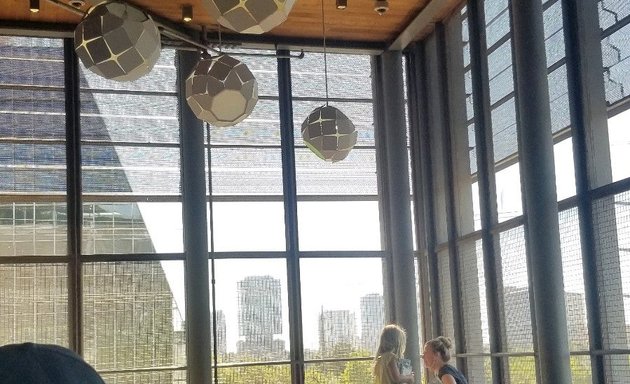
34,6
117,41
77,3
253,17
342,4
221,90
381,6
326,131
187,13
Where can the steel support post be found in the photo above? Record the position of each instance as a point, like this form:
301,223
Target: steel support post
396,204
539,191
198,345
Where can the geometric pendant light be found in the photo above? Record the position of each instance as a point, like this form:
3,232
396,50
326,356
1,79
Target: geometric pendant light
326,131
329,134
221,90
249,16
117,41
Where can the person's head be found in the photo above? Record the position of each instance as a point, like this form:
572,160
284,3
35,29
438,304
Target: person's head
437,352
393,339
31,363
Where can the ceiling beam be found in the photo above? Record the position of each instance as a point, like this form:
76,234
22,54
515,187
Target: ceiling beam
65,30
423,23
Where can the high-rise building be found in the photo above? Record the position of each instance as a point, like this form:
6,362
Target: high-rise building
221,334
337,330
372,320
259,315
519,322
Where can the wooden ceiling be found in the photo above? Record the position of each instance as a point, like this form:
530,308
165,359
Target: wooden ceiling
356,26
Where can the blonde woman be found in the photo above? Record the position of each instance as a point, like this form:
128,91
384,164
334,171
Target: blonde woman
437,352
391,349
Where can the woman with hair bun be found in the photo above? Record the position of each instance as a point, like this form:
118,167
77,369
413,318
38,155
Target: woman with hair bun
437,353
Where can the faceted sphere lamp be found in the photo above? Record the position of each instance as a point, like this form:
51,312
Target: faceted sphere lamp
329,133
117,41
249,16
221,90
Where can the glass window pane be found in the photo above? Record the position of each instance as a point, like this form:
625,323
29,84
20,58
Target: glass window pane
355,175
565,171
346,372
342,317
272,373
504,136
131,318
616,60
339,226
260,128
248,226
522,369
611,11
515,289
34,303
348,76
160,79
42,57
554,33
619,138
509,202
475,310
30,229
573,276
252,310
264,69
246,171
112,228
130,170
130,133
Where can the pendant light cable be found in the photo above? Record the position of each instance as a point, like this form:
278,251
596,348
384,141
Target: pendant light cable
220,42
325,58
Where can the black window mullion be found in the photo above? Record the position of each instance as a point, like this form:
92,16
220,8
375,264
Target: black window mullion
487,186
73,188
290,218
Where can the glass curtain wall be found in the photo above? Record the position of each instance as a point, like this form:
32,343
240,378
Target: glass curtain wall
337,226
487,292
128,257
33,218
130,307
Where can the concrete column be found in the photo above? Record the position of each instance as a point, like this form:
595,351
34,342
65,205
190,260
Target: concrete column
539,191
194,208
391,147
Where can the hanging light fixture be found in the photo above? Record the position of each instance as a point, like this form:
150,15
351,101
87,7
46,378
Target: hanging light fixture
117,41
327,132
34,6
251,16
221,90
187,13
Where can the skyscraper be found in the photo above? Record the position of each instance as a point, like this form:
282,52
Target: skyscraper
372,320
221,334
259,315
337,329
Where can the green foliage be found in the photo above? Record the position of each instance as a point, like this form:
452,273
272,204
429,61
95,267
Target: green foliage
357,372
581,370
342,372
522,371
259,374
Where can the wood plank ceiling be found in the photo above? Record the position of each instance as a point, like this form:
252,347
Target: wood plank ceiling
356,25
